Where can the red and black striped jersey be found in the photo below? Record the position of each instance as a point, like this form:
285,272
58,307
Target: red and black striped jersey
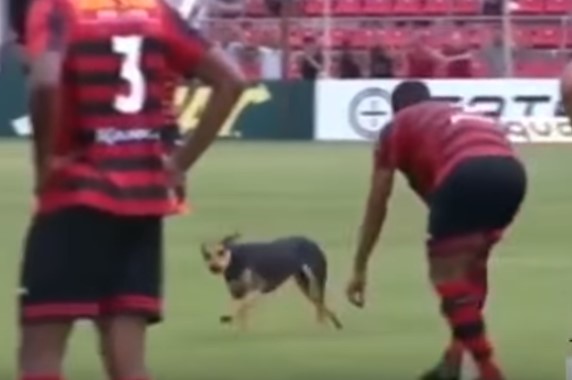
426,141
118,122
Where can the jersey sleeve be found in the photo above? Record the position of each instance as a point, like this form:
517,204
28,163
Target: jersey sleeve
383,152
186,45
46,28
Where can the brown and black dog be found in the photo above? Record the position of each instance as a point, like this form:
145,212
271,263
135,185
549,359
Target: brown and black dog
256,268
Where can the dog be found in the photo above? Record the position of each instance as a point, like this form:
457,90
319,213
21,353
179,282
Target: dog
254,269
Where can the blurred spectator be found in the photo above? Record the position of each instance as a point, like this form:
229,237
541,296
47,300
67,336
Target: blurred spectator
311,60
380,63
256,60
493,7
271,59
197,12
494,57
459,58
421,60
349,68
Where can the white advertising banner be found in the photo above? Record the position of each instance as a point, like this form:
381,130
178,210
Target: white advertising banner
530,109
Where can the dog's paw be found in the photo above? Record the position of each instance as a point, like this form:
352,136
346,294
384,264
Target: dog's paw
225,319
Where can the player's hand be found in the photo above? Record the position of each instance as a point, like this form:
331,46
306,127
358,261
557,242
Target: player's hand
46,168
355,290
174,170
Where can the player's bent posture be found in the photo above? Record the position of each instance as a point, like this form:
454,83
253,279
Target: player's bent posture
108,169
462,166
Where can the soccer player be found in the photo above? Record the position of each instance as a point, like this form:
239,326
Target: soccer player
464,169
17,11
109,167
566,90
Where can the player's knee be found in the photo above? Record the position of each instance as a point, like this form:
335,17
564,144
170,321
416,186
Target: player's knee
42,347
446,269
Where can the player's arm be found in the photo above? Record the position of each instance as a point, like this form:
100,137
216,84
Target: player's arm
374,216
45,48
193,57
381,185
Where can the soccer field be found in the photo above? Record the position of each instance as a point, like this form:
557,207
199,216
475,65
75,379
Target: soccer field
269,189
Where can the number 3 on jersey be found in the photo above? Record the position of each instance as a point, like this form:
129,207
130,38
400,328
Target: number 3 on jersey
129,47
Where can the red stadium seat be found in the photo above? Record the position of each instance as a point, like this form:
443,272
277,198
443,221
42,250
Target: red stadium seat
256,8
437,7
548,36
529,7
295,38
363,38
339,36
567,36
376,7
480,69
347,7
478,35
314,7
407,7
393,38
558,6
522,36
466,7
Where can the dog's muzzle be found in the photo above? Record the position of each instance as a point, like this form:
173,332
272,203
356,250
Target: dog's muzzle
215,269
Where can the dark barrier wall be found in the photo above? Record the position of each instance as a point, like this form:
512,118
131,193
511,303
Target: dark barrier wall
12,96
266,111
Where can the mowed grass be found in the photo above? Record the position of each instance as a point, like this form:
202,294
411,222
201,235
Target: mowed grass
267,190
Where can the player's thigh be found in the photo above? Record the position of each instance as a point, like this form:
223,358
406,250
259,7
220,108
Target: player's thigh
63,265
139,270
481,195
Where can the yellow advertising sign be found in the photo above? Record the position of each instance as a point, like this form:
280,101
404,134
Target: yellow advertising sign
192,110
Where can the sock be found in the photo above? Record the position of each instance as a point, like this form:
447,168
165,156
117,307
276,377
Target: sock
454,353
461,307
479,277
36,377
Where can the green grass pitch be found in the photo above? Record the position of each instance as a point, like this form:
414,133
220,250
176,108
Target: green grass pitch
271,189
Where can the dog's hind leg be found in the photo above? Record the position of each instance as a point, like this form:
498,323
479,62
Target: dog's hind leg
314,290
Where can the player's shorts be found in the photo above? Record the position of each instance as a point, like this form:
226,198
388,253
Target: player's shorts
482,195
80,262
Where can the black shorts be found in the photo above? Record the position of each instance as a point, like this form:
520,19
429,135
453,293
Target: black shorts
482,194
83,263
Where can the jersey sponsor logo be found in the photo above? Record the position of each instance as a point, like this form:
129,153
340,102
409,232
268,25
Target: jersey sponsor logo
369,111
113,136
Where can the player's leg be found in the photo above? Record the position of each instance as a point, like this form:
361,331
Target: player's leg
566,90
481,197
135,299
58,285
478,276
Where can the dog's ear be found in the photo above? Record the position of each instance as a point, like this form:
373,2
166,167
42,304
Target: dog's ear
231,238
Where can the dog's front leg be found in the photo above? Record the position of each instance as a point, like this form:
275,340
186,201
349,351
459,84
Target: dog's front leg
242,308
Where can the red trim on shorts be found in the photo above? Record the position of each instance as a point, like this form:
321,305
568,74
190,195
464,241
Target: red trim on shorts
452,245
60,311
131,303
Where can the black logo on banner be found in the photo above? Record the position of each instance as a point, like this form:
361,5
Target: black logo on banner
369,111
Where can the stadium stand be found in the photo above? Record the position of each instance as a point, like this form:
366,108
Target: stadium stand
536,31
